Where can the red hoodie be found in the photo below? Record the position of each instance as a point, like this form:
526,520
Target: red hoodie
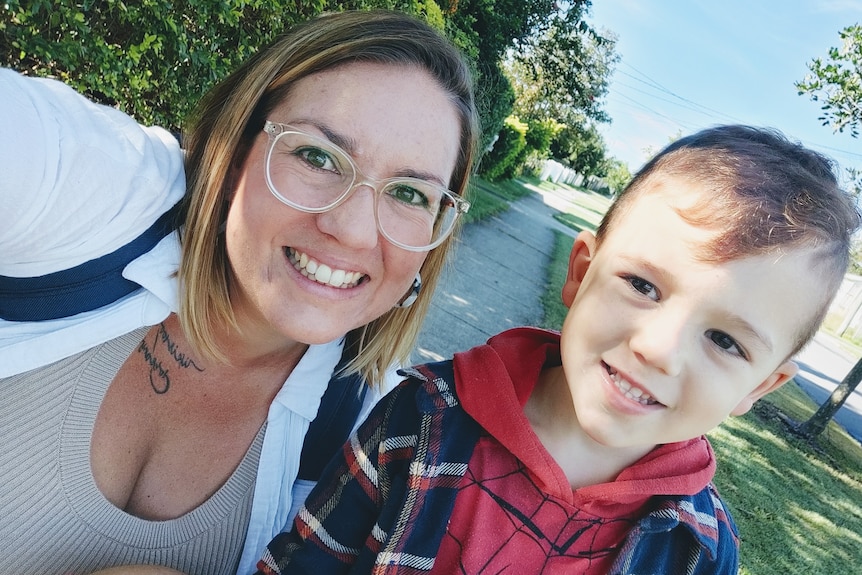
515,509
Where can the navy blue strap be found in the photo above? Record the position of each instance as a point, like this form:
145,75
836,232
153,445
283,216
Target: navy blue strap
85,287
339,408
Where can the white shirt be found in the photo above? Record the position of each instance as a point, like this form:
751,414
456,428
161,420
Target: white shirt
79,180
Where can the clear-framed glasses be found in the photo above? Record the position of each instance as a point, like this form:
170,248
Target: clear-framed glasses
314,175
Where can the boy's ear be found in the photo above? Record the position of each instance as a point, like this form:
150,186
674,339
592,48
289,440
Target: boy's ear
776,379
579,262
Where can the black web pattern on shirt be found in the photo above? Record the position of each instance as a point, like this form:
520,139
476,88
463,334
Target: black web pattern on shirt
554,545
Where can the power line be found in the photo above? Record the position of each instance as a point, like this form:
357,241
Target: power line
690,105
659,87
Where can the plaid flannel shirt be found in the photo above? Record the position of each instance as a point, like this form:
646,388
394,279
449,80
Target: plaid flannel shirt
382,507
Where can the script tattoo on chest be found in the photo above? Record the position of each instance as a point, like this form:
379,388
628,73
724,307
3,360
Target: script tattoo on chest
160,378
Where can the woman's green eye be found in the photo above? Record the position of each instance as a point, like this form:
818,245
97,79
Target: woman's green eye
317,158
409,195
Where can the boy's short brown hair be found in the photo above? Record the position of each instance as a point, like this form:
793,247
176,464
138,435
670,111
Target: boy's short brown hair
762,193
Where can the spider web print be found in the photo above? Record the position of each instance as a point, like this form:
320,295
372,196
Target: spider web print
504,523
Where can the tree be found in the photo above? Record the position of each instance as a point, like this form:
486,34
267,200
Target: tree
815,425
485,30
837,82
583,148
618,176
562,71
153,58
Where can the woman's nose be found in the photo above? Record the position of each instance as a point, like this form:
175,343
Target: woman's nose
353,222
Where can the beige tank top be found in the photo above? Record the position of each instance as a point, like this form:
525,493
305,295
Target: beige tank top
53,518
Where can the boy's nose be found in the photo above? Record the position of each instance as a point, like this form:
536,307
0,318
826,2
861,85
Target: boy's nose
660,341
352,223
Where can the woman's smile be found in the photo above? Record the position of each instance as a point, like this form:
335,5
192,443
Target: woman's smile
322,273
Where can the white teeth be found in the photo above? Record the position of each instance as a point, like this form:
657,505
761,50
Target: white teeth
634,393
322,273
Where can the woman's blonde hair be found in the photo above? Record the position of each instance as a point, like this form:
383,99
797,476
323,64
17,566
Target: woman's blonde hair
231,116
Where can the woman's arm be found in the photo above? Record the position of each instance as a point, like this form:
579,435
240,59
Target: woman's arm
77,179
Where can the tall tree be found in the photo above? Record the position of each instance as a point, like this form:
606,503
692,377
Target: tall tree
562,71
583,148
815,425
837,82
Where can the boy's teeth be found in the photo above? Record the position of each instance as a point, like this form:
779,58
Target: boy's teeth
322,273
634,393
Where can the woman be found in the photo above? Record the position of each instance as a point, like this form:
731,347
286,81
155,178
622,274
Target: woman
168,423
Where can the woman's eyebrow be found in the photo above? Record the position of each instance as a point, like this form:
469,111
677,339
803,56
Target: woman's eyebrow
349,145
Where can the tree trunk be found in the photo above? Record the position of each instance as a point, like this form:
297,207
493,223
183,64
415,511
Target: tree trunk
818,422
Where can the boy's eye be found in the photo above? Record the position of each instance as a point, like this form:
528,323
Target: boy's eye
642,286
726,343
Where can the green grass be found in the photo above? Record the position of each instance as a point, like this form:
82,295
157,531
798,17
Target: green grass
484,203
510,189
798,507
573,221
555,311
488,199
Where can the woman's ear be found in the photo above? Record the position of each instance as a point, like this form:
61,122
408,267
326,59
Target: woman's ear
579,262
776,379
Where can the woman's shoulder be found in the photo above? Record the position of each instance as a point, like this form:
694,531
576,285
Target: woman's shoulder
79,179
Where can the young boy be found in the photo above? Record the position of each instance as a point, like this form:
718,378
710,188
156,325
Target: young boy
585,453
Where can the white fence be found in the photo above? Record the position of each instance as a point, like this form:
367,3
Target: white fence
554,171
847,307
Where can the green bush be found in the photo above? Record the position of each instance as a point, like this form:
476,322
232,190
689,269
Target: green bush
152,58
502,162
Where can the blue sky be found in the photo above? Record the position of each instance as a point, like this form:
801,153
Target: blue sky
690,64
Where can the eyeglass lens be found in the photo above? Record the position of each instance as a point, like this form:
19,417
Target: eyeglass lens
310,173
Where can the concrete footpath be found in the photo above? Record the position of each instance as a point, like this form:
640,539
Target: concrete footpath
498,275
495,280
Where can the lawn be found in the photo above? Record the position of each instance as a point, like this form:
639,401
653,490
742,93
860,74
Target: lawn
798,506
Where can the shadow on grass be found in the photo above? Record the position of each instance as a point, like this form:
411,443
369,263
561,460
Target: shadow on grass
797,509
574,222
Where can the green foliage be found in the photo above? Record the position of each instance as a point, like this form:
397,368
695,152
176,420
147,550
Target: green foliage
494,99
152,58
837,83
856,259
485,30
582,148
155,58
618,176
540,133
562,71
502,161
